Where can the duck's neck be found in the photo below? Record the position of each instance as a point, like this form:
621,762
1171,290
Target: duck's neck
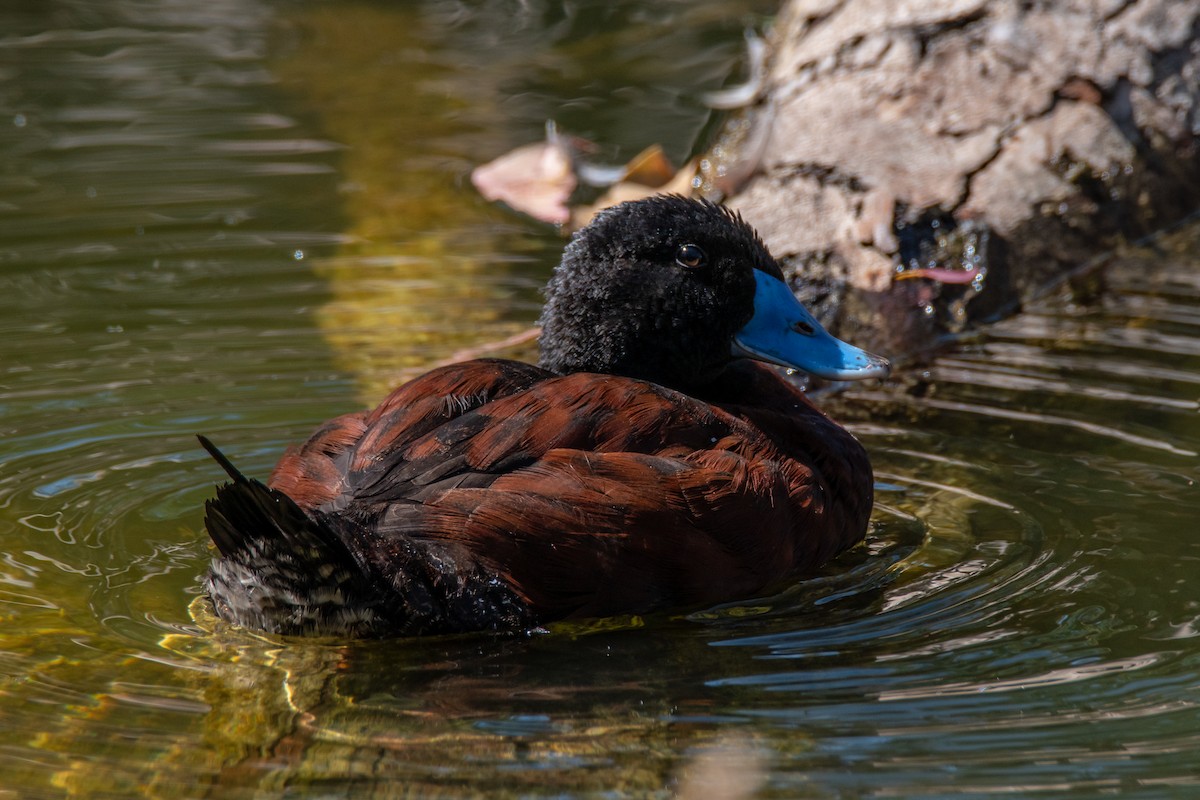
626,351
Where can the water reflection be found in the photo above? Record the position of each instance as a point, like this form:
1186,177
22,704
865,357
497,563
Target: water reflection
207,224
427,266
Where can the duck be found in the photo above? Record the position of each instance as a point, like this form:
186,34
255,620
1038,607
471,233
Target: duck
654,459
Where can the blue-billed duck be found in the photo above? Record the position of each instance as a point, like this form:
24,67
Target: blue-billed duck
647,462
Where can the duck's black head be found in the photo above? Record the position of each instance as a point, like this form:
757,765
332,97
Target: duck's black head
671,290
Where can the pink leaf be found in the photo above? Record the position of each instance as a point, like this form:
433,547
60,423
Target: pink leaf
536,179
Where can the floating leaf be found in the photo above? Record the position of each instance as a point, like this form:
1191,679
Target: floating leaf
680,183
651,167
536,179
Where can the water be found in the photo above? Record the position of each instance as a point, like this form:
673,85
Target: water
243,218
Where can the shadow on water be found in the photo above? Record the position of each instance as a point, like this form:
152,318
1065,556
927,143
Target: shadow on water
207,225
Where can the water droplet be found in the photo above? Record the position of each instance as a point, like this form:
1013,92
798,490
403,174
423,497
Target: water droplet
928,309
298,255
19,120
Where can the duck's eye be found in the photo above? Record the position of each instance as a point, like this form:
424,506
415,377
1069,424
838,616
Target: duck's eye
690,256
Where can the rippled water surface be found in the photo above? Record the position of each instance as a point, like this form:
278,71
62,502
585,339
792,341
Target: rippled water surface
241,218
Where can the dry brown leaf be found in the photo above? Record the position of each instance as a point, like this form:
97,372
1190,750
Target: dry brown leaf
536,179
680,183
651,167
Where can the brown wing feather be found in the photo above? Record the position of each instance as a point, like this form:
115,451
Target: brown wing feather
315,473
312,474
588,495
589,534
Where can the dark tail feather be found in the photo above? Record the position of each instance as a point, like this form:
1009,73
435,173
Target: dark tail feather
242,510
247,515
221,459
284,571
240,507
280,570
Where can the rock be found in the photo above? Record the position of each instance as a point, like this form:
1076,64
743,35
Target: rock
1016,139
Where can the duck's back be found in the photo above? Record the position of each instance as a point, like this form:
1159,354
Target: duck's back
494,494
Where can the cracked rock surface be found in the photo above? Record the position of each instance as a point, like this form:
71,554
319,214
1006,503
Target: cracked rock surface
1049,131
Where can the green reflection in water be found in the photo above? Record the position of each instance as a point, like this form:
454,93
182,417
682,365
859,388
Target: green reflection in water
403,285
419,94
